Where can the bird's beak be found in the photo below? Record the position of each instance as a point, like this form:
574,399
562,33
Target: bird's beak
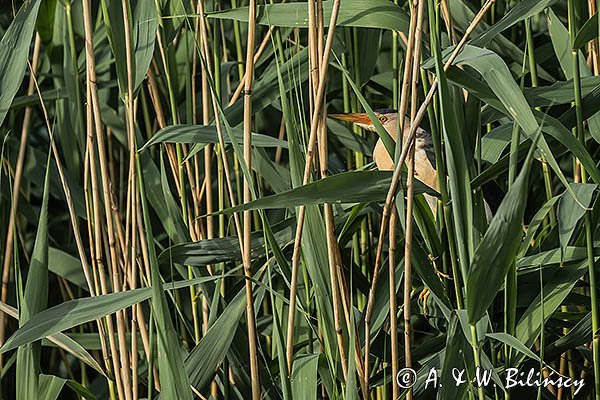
356,118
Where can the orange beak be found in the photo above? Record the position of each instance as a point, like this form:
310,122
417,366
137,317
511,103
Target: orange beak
356,118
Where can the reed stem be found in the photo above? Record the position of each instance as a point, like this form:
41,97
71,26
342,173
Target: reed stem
580,134
247,258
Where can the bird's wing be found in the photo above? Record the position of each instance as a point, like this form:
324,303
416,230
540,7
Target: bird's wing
426,144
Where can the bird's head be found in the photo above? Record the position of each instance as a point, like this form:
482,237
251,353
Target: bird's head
387,117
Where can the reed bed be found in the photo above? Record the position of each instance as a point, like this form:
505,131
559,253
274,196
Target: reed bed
181,218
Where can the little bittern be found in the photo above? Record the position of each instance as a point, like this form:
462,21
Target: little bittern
424,155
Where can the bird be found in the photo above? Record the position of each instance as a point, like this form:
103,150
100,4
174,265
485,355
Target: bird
425,164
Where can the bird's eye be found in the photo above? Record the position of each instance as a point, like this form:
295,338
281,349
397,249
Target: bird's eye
382,119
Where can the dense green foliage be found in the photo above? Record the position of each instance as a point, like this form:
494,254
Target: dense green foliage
160,215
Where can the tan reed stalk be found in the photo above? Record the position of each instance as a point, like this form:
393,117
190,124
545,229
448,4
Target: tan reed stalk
8,250
191,171
332,244
246,249
320,31
448,20
408,65
137,307
307,168
96,245
96,240
68,197
195,225
220,169
160,118
176,152
170,147
146,279
72,216
112,171
195,99
280,136
313,54
208,151
108,201
393,303
92,212
179,168
410,138
345,300
130,261
64,284
204,55
146,276
410,197
241,237
79,244
259,51
347,309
